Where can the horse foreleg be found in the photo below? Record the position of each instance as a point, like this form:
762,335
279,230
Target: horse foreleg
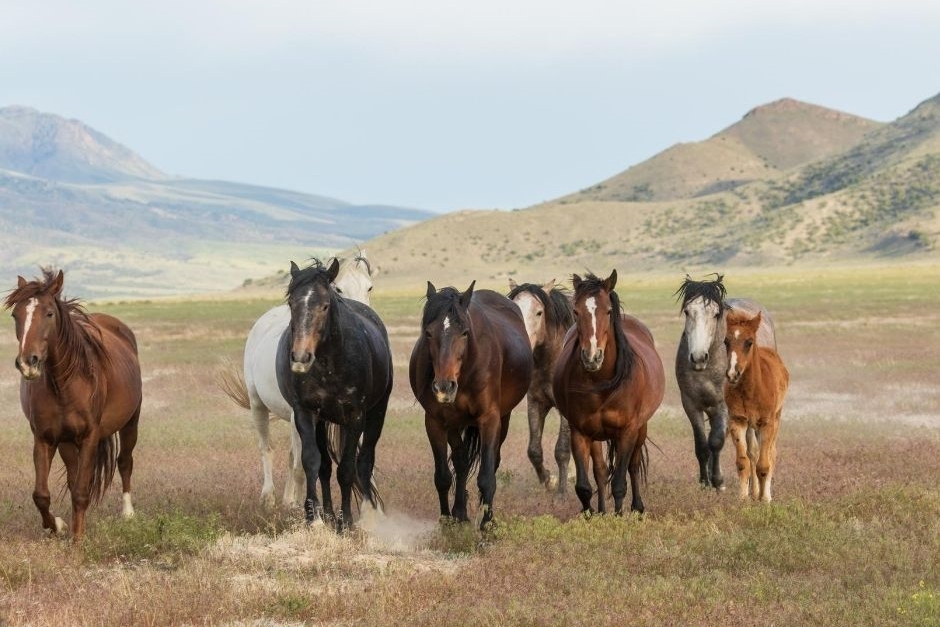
461,459
768,456
492,433
443,479
737,428
753,451
325,436
536,414
601,474
702,452
125,461
306,426
718,420
563,454
346,475
581,451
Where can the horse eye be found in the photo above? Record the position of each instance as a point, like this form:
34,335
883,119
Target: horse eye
538,313
50,314
339,291
748,344
370,288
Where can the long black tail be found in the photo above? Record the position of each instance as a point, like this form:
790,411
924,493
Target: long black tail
612,460
335,445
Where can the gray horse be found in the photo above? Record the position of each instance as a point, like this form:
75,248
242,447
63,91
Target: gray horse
702,363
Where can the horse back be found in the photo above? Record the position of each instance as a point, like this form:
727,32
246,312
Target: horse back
498,327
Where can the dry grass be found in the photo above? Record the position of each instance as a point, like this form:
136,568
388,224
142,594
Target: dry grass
852,539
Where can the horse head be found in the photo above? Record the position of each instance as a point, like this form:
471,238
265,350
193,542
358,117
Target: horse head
448,333
533,301
740,342
702,306
36,310
310,299
594,304
354,280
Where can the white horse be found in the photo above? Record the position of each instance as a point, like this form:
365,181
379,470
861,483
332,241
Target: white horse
259,392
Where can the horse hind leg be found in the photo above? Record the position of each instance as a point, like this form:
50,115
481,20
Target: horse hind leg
767,458
125,461
365,461
536,413
261,418
563,454
296,482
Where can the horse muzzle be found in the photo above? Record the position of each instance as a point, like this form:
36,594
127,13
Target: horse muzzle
30,370
698,361
301,363
592,363
444,391
734,377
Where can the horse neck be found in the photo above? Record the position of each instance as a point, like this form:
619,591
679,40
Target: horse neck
67,356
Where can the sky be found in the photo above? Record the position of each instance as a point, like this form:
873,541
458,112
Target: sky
445,105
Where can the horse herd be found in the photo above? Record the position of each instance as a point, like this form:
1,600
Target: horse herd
322,362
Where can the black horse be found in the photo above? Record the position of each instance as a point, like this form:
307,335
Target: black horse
334,364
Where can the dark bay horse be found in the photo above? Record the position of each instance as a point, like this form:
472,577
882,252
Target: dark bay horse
334,364
755,390
701,365
81,393
608,383
469,368
548,314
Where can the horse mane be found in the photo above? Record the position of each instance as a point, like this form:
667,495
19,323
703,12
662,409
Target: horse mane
360,259
307,275
80,339
558,308
446,301
713,291
591,285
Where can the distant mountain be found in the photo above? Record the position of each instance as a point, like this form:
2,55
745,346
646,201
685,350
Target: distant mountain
768,140
70,195
790,183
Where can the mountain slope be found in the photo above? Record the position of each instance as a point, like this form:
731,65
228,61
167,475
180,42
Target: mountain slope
767,141
878,198
73,197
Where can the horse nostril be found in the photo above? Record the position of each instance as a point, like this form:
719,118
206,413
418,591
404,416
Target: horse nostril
301,358
34,360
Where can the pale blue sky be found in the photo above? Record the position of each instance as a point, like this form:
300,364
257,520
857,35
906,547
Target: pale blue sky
445,105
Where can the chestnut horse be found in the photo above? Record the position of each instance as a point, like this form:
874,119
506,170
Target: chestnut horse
608,383
81,393
756,386
469,368
548,314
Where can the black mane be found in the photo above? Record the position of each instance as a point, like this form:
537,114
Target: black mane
444,302
313,273
713,291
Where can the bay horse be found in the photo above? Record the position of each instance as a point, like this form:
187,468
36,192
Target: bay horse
257,388
608,383
702,363
81,393
757,382
548,314
469,368
334,364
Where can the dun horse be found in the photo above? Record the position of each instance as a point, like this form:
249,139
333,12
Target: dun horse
333,364
548,314
608,383
258,390
469,368
701,365
81,393
755,390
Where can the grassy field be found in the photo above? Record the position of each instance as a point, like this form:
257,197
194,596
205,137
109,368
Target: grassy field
853,537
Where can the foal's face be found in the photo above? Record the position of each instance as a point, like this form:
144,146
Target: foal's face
702,321
592,318
36,323
741,343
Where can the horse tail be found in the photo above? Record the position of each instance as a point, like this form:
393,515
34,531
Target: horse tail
644,460
231,381
335,438
105,465
472,444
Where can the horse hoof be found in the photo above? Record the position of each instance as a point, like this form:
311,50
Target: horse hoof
61,527
552,483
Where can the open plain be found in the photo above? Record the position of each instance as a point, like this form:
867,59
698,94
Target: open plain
852,537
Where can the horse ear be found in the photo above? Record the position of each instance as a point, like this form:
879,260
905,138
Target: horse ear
333,270
611,282
548,287
466,296
57,283
756,320
431,290
20,282
294,269
575,281
512,284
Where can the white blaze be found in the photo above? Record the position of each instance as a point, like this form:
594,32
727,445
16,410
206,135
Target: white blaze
591,305
31,305
446,323
732,364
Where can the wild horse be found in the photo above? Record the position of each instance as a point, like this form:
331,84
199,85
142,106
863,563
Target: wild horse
81,393
333,363
257,389
469,368
702,362
608,383
548,314
755,390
